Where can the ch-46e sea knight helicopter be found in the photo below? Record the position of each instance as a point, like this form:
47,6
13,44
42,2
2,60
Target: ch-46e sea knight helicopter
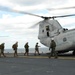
50,28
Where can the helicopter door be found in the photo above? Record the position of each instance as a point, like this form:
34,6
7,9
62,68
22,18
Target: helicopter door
47,29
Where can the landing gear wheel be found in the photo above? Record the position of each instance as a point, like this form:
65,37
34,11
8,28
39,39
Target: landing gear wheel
74,52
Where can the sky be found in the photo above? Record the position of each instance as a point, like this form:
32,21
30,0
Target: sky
14,26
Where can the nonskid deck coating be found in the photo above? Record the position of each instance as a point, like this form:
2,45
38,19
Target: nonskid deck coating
36,66
21,55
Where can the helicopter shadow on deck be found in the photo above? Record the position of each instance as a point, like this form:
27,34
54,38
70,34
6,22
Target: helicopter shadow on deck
64,54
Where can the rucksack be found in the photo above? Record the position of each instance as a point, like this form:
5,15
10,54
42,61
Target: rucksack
13,46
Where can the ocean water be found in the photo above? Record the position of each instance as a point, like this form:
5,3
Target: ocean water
31,50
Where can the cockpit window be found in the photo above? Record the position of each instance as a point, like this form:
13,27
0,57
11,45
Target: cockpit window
42,30
47,28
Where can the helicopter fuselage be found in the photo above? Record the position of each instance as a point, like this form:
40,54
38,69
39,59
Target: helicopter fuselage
64,38
64,41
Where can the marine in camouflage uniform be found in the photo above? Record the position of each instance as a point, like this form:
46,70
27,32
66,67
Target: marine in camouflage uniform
26,46
52,47
14,46
2,50
37,49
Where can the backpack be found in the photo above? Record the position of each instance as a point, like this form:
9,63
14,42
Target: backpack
13,46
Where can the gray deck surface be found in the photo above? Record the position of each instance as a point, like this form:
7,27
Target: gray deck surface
36,66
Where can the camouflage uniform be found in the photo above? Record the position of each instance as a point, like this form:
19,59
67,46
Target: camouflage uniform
52,46
15,49
37,49
26,46
2,49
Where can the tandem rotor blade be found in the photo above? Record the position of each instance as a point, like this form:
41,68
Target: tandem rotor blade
2,8
35,25
22,12
51,9
63,16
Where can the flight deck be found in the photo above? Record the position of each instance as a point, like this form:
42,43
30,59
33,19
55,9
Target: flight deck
37,65
45,55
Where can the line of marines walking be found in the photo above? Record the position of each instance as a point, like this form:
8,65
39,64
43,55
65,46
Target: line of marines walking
15,48
26,46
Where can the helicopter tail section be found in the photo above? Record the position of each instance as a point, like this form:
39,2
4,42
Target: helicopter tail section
49,28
